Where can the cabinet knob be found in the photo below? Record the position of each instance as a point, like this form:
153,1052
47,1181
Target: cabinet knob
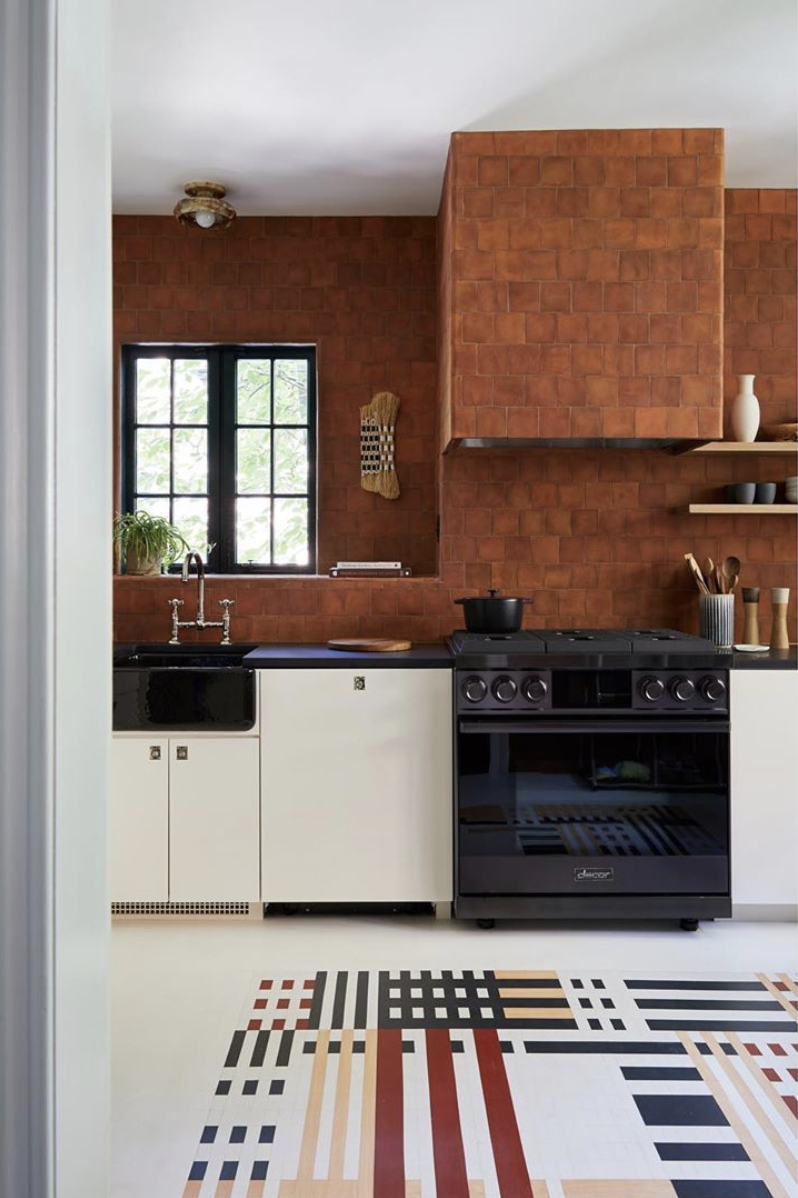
182,753
155,752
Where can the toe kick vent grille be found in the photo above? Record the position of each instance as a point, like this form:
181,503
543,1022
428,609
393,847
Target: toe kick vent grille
167,909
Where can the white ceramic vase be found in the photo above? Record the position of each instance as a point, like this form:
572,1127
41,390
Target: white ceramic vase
745,411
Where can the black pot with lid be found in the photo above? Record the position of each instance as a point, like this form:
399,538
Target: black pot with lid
493,613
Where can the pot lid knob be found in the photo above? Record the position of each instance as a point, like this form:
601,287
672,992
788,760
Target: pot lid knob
492,592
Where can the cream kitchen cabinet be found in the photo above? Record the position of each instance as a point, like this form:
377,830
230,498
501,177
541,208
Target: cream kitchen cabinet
764,792
185,824
139,820
356,785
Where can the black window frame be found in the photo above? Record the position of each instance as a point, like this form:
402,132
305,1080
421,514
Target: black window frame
222,426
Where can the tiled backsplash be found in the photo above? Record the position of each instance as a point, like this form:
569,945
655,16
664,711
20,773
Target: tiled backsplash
363,290
760,309
595,536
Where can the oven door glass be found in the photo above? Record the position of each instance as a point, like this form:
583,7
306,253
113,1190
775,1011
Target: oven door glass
613,807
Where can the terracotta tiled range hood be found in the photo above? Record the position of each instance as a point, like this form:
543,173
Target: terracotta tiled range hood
581,288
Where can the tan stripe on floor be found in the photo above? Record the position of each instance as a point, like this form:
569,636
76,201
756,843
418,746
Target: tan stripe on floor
529,992
779,995
365,1178
788,982
524,973
740,1128
341,1108
764,1083
786,1154
310,1133
538,1012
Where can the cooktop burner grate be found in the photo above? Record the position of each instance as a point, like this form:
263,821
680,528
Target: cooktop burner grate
581,640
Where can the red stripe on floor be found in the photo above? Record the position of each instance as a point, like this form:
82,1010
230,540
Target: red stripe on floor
447,1138
777,1050
791,1103
389,1148
508,1152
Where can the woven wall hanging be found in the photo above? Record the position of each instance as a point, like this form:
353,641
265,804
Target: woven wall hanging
378,446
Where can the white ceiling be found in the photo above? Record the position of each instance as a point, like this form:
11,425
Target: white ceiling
339,107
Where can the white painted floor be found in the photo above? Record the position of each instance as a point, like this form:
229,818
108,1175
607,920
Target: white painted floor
179,989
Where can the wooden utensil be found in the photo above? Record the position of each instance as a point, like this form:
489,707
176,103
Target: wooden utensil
370,645
735,578
695,570
709,572
719,581
730,569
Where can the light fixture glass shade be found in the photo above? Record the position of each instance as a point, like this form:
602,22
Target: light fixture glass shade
205,207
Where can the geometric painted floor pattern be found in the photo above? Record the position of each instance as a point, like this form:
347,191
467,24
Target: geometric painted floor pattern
506,1084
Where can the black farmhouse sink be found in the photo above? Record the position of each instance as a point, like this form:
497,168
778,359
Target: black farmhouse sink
183,688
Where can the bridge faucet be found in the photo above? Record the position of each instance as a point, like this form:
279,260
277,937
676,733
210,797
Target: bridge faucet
200,621
200,583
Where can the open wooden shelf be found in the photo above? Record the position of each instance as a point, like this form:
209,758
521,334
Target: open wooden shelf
743,509
746,447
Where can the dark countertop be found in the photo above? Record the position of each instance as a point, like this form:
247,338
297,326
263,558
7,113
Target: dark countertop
297,657
774,659
435,655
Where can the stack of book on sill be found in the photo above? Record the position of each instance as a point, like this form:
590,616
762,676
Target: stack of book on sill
370,570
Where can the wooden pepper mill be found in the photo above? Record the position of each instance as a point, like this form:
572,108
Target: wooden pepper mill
751,615
780,597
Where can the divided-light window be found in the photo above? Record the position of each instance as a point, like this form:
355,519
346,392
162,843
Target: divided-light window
221,440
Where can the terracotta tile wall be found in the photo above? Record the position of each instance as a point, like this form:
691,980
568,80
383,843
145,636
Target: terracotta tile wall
587,283
596,536
362,289
760,278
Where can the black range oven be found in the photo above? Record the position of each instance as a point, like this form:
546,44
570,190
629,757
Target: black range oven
592,782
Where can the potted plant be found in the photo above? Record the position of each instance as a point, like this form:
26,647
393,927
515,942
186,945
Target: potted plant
147,542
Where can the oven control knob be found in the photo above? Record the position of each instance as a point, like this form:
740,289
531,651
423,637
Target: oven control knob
652,689
535,689
682,689
475,689
713,689
504,689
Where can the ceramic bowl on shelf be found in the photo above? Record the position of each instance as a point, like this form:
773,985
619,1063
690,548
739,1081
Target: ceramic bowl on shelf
765,493
740,493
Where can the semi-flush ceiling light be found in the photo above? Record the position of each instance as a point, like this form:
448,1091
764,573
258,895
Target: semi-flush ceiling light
205,206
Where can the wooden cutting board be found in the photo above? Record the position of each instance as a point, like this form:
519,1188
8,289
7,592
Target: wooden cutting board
370,645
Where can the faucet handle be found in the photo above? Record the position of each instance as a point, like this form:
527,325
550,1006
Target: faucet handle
175,604
226,604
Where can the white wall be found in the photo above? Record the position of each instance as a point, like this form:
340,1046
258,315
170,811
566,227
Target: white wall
55,601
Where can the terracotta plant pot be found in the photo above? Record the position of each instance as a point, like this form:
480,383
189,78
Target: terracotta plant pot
143,566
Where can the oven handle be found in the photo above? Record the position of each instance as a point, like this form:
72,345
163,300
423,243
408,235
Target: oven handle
589,726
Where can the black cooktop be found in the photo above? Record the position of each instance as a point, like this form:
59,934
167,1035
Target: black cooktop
622,641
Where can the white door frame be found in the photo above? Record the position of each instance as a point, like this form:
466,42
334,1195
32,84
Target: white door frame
55,596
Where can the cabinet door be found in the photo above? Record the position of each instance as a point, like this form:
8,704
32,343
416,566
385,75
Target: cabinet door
139,821
356,768
764,785
214,825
